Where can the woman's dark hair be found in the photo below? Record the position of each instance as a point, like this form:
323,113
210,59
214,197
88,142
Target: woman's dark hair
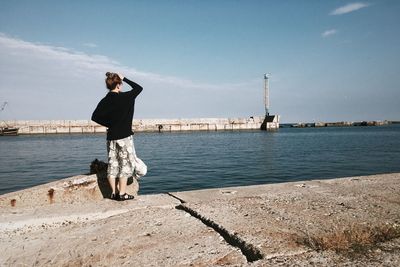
112,80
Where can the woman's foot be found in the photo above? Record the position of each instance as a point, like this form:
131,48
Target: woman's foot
125,196
114,196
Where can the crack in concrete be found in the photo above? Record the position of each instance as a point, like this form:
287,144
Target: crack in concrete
251,252
178,198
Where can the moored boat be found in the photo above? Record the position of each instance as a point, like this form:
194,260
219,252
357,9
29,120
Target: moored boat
8,131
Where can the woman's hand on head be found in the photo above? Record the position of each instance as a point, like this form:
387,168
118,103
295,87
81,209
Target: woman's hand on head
120,76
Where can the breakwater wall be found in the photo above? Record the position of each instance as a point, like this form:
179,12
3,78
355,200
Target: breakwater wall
142,125
337,124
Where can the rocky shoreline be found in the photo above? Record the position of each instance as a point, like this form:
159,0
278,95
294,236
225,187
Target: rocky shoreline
352,221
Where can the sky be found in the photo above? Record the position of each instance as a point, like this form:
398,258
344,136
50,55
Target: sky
331,60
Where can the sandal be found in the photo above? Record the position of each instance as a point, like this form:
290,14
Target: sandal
125,197
114,196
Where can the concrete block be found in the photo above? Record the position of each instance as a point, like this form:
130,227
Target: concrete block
50,129
23,130
218,127
175,127
236,126
62,129
194,127
87,129
99,129
36,129
203,127
76,129
185,127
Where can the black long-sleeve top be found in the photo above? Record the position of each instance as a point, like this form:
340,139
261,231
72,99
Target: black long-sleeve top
115,111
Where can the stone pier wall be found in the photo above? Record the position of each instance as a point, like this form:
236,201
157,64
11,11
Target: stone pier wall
141,125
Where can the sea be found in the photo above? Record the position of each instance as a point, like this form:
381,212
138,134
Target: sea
181,161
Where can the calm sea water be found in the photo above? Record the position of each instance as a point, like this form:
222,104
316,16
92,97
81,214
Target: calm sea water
197,160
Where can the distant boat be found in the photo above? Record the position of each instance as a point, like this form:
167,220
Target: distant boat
7,130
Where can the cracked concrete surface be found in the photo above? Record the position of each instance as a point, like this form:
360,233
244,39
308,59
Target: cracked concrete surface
273,217
151,231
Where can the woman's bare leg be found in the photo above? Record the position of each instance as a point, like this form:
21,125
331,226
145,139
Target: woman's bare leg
113,184
122,185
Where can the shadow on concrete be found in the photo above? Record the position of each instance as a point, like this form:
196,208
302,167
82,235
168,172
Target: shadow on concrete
268,118
103,184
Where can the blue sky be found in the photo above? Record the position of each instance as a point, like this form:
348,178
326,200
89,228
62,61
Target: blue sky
329,60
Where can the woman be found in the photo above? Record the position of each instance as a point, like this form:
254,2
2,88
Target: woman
115,111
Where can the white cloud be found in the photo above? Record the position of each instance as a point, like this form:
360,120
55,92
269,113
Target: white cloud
349,8
85,62
50,82
328,33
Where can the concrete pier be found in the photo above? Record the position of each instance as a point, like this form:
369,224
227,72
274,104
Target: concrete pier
352,221
142,125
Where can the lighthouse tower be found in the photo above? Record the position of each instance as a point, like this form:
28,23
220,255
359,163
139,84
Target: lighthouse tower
266,93
271,122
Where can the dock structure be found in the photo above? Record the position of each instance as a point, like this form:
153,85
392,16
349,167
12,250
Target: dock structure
142,125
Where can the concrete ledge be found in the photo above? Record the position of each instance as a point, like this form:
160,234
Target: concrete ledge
74,190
